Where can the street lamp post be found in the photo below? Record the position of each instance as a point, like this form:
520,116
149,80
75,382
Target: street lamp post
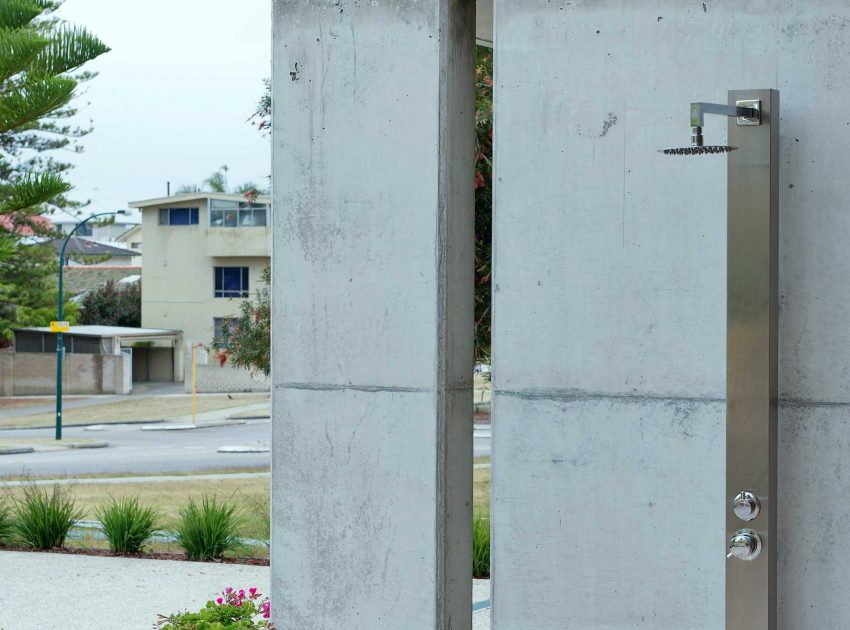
60,344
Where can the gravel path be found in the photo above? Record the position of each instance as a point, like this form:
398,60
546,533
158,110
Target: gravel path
74,592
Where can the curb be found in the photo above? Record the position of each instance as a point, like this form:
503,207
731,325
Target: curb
114,423
97,444
244,449
16,450
190,427
265,417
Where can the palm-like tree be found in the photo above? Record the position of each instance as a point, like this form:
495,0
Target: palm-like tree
39,60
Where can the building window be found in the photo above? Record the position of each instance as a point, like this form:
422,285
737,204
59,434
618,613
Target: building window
237,214
83,230
231,282
178,216
223,328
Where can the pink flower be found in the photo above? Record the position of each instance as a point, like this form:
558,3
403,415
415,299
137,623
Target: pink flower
228,590
220,600
241,593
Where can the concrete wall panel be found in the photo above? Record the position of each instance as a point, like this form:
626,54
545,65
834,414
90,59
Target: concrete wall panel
372,302
610,286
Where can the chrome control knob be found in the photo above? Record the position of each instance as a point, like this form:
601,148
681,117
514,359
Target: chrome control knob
745,545
746,506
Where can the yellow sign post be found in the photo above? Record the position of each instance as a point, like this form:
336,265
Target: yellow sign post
58,327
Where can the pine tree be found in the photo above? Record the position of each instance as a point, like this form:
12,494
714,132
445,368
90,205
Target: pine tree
40,58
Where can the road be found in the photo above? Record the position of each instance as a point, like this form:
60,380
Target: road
133,451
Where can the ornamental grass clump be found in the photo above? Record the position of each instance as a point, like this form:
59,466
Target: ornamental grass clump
209,529
5,522
126,524
43,519
231,611
480,545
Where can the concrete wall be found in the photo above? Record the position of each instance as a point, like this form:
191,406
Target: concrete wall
609,368
34,374
372,338
177,279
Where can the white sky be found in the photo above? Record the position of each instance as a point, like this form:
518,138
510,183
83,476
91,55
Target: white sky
172,97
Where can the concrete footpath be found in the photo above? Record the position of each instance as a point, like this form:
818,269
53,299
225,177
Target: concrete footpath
45,591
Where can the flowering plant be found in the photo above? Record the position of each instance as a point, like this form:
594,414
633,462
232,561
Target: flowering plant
232,610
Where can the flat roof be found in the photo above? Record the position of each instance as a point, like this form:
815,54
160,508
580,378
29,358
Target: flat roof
108,331
161,201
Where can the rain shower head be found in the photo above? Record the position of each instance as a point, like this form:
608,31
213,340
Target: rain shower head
746,112
698,150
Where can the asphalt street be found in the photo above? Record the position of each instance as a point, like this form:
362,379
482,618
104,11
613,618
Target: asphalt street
133,451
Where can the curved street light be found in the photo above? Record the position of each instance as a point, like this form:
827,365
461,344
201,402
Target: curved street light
60,345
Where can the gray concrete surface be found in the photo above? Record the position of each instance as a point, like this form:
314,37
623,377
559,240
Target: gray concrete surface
609,349
87,593
373,273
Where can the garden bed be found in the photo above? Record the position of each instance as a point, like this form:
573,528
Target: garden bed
160,555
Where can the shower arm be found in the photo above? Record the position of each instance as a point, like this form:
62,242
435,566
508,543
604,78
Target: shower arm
698,111
746,112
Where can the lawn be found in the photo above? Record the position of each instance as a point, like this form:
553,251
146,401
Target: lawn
153,408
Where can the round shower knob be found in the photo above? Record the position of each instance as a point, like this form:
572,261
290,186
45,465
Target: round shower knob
745,545
746,506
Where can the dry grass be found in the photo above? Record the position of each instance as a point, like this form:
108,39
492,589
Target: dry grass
170,496
154,408
481,488
252,496
176,473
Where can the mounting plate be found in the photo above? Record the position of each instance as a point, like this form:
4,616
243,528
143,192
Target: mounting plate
744,121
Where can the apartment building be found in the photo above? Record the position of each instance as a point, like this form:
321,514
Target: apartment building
204,254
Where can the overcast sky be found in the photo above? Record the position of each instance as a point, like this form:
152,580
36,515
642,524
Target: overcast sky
172,98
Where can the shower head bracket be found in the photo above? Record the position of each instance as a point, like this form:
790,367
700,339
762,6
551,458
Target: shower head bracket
754,106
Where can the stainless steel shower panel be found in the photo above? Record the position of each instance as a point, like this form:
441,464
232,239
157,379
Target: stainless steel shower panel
751,365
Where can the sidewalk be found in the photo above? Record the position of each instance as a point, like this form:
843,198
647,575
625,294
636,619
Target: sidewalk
65,592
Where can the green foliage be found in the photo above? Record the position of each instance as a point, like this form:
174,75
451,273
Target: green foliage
126,524
483,202
251,187
42,519
6,524
38,54
217,182
112,305
208,530
246,342
234,610
28,295
480,545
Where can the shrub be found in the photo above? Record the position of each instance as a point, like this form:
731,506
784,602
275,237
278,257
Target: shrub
126,524
480,545
5,522
232,610
42,519
208,530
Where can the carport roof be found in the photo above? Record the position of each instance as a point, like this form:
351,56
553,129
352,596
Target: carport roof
110,331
